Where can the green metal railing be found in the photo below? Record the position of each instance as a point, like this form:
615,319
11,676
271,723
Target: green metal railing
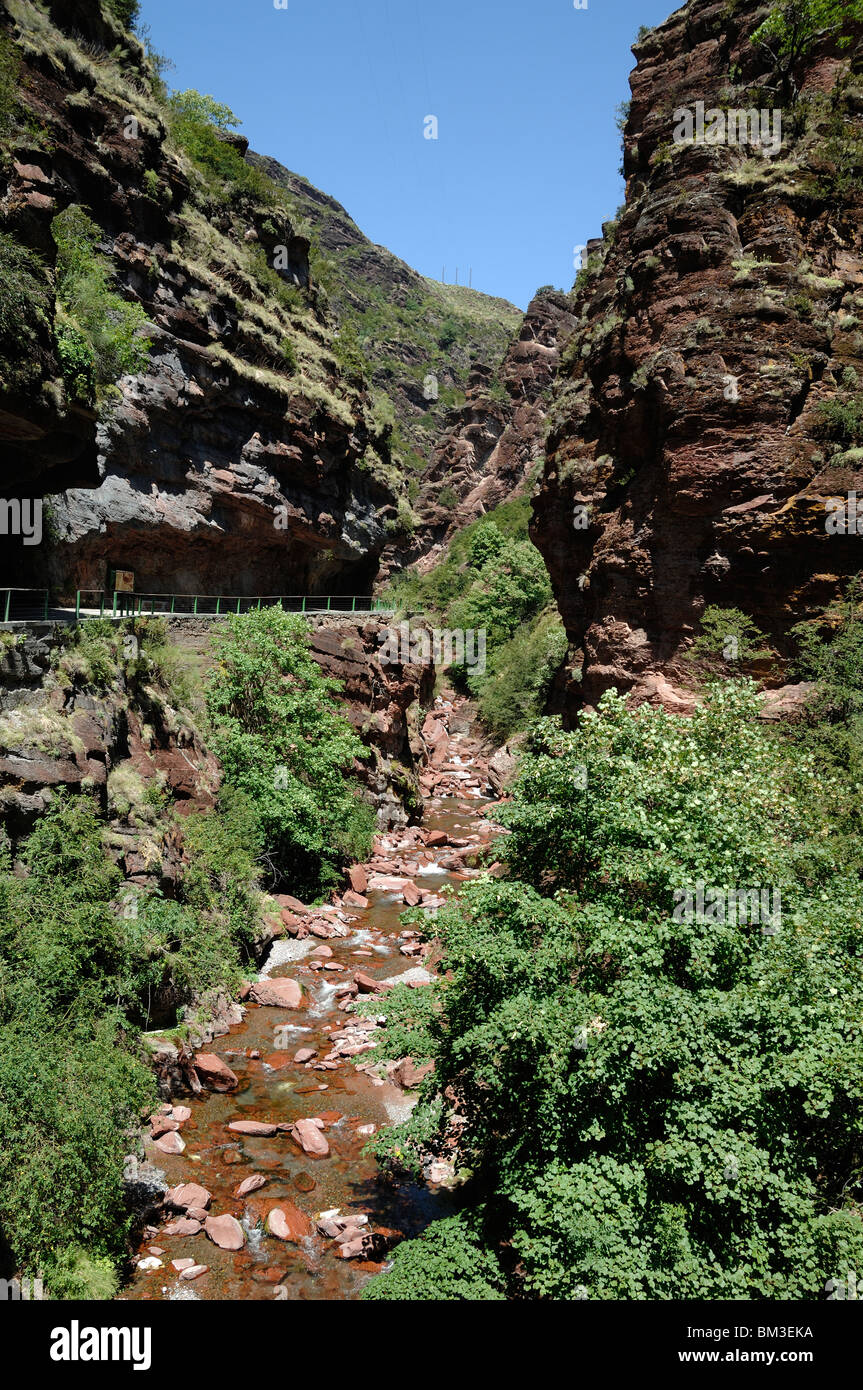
118,604
34,605
25,605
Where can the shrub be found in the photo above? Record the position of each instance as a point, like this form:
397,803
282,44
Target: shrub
197,123
729,634
447,1262
10,65
126,11
286,747
99,335
651,1106
25,306
840,421
448,334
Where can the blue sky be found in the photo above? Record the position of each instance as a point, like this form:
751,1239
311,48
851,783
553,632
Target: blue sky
525,92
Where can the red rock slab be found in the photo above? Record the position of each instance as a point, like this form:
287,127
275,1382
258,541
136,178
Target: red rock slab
409,1074
305,1054
197,1214
411,894
277,1060
225,1231
281,993
188,1194
180,1265
292,904
386,883
358,877
183,1226
253,1127
171,1143
194,1273
310,1139
365,984
322,952
162,1124
215,1073
287,1222
290,921
181,1113
250,1184
437,837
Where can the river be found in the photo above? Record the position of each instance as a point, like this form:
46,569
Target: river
275,1089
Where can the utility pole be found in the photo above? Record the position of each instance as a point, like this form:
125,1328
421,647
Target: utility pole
443,275
456,274
470,279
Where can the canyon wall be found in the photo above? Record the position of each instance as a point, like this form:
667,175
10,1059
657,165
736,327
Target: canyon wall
264,445
709,403
493,444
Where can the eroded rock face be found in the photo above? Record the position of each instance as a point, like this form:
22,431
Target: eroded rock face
384,703
494,441
241,460
689,460
56,732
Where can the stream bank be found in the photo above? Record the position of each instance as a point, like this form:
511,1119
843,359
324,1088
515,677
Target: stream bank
258,1184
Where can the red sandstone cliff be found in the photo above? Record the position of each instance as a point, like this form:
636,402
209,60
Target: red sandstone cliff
711,399
493,443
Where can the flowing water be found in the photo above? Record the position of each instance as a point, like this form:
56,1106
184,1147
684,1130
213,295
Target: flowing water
276,1090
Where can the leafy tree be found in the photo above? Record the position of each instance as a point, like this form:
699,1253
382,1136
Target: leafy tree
791,28
648,1104
202,109
126,11
284,744
70,1084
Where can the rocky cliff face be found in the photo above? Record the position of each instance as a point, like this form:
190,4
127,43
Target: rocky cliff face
709,403
242,458
494,442
385,703
419,339
63,726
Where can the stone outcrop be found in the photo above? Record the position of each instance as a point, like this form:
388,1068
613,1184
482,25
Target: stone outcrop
493,444
59,731
419,338
384,702
708,405
242,459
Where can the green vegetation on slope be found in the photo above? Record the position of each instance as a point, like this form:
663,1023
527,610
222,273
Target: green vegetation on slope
98,332
86,961
656,1101
397,326
284,744
493,578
